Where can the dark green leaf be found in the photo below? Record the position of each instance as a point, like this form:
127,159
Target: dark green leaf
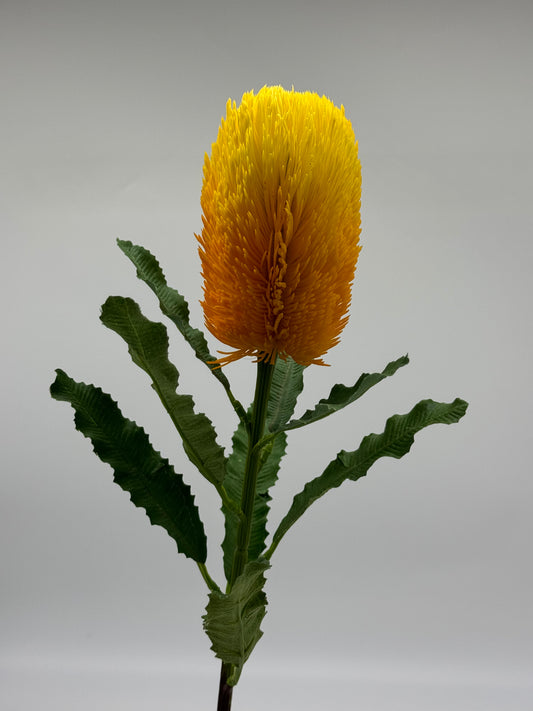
148,346
395,441
138,468
175,307
341,395
232,622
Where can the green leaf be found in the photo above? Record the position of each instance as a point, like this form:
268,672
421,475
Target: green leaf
148,346
232,622
138,469
341,395
233,484
287,384
175,307
395,441
267,477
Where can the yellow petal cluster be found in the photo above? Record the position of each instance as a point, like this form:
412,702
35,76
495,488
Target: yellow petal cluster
281,222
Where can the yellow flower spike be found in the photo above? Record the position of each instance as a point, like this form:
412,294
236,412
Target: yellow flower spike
281,221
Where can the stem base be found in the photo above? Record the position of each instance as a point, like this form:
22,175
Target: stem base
225,691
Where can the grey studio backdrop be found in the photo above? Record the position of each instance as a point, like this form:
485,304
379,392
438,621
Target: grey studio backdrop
410,589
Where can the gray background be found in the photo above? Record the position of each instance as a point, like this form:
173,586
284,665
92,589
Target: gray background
408,590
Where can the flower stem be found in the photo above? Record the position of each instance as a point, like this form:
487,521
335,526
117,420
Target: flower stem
265,371
225,691
208,579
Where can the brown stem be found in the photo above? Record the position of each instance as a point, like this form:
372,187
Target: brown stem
224,690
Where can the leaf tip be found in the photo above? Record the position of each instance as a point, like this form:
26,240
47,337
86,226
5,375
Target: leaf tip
461,405
123,244
55,387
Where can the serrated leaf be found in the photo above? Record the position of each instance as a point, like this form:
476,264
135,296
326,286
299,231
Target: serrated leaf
395,441
287,384
233,484
172,303
232,621
176,308
148,346
138,469
267,477
342,395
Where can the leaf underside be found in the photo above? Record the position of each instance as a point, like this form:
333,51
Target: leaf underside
287,384
395,441
232,621
138,469
342,395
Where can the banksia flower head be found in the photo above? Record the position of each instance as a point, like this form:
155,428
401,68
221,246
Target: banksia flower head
281,221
